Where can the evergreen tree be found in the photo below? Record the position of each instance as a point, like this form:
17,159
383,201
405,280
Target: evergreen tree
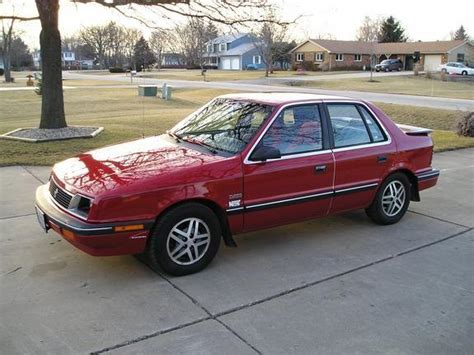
460,34
142,55
392,31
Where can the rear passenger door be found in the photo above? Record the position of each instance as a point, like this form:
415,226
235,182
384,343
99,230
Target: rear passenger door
363,153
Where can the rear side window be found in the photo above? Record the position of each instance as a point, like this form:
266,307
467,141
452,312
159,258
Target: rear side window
374,128
347,125
353,125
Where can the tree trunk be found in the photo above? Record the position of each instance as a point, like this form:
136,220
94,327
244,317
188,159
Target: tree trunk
52,105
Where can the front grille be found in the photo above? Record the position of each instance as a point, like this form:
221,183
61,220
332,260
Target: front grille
59,195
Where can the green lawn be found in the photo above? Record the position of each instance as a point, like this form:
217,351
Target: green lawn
126,116
409,85
224,75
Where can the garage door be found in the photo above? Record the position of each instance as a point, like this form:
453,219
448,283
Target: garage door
432,62
230,63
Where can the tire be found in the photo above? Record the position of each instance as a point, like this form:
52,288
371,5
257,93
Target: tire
175,240
464,72
444,70
382,211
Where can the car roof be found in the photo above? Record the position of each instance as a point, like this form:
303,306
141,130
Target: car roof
278,98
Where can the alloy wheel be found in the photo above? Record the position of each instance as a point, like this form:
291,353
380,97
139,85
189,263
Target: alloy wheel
393,198
188,241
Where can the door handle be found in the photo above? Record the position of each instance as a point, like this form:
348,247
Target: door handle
382,159
320,168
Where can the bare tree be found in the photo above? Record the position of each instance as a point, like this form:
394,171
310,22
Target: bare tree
130,38
97,37
267,39
6,45
229,12
157,44
369,30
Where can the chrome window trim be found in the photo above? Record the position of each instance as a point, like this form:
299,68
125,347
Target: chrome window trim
247,161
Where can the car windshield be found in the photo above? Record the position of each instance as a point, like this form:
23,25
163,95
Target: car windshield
386,61
224,124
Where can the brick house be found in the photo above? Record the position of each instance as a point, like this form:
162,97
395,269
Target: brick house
320,54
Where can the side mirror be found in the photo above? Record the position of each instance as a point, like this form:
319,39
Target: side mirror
263,153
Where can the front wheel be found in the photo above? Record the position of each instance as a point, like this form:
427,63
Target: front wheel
392,200
464,72
184,240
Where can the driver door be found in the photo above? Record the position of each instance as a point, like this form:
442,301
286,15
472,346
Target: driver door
297,186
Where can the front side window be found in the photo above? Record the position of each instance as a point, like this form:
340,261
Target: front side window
224,124
347,125
295,130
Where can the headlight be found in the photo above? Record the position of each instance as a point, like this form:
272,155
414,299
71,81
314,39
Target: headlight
80,205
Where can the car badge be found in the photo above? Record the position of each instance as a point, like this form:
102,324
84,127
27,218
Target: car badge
55,193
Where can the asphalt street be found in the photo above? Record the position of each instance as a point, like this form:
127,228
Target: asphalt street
269,85
335,285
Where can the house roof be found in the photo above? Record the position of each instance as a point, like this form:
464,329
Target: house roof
335,46
239,50
227,38
359,47
423,47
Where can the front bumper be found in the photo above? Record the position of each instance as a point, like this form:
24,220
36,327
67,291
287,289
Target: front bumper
98,239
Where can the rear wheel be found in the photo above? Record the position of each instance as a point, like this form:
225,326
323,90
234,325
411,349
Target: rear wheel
464,72
392,200
184,240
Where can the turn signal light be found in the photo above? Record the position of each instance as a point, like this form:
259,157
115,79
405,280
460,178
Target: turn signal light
133,227
67,233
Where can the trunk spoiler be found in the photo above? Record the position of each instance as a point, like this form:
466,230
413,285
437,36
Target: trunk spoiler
413,130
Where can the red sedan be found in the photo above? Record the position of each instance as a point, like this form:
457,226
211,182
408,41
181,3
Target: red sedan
242,162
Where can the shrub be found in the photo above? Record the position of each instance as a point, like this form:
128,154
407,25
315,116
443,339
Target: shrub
116,70
1,71
466,125
444,75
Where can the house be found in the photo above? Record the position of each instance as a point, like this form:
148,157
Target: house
319,54
68,59
233,52
172,60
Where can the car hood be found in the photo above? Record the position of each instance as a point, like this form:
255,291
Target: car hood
120,166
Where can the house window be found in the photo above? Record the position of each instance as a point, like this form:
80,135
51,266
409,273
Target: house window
357,58
339,57
257,59
299,57
222,47
319,57
210,48
460,58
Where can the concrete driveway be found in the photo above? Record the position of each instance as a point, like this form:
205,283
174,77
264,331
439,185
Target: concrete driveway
334,285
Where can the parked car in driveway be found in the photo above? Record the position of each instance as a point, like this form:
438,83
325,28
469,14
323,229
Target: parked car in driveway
243,162
389,65
456,68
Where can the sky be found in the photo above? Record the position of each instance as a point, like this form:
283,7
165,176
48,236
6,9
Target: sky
423,20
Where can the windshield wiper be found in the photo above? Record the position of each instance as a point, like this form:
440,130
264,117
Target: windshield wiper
174,135
200,143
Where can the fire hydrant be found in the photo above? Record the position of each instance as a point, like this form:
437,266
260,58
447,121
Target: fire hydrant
30,82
